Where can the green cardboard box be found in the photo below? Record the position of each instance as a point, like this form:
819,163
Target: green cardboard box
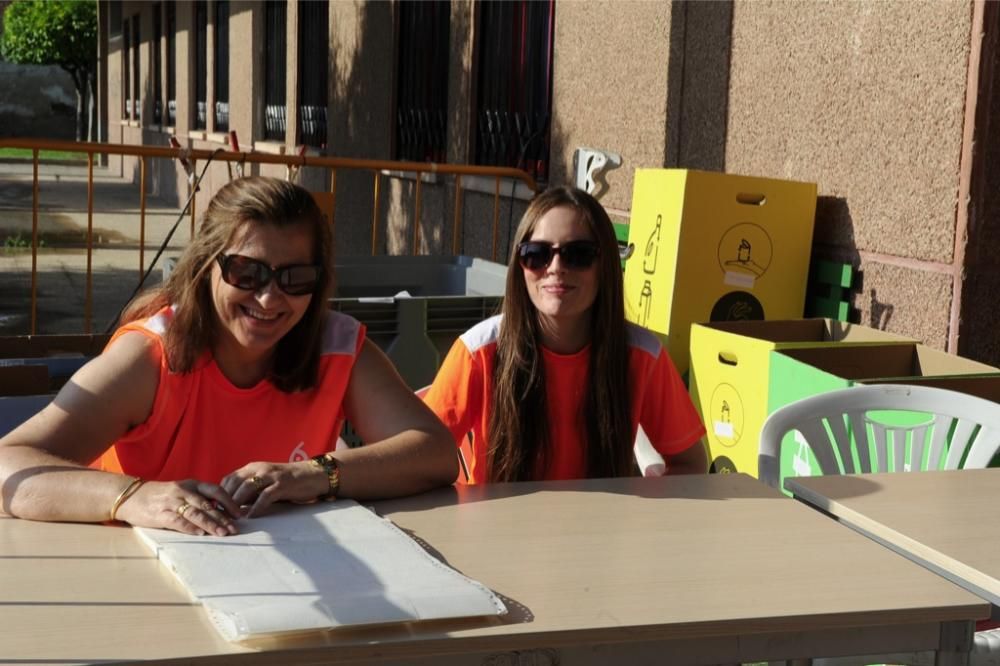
730,364
800,373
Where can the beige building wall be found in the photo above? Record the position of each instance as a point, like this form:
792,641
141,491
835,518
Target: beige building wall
867,100
610,88
876,102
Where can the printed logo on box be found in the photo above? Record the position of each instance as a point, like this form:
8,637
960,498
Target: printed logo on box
726,415
737,306
744,254
650,254
722,465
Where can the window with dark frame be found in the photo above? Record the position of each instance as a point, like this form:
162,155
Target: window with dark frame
200,64
275,21
314,48
156,71
171,64
136,92
114,18
514,100
221,48
126,69
422,81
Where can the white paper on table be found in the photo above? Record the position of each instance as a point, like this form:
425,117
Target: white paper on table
316,567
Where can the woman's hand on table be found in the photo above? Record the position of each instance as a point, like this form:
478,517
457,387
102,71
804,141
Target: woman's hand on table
189,506
261,484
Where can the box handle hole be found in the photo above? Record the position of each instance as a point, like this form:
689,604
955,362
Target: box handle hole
728,358
751,198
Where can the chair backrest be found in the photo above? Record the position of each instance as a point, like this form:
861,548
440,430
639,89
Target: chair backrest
846,436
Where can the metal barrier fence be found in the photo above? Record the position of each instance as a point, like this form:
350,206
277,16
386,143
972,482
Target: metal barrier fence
378,168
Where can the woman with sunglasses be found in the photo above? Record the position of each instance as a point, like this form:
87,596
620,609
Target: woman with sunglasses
227,388
556,386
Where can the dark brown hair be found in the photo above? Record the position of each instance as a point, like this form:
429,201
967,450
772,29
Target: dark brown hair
232,211
519,448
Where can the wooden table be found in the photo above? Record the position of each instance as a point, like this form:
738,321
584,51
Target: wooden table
707,569
945,521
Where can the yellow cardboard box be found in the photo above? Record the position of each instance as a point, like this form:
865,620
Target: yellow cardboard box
715,247
731,370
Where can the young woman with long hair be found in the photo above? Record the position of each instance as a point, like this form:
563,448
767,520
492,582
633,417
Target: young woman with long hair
227,387
556,386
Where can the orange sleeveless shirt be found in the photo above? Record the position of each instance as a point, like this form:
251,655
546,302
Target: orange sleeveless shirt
462,397
203,427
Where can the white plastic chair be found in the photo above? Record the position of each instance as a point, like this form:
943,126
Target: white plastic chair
847,413
960,432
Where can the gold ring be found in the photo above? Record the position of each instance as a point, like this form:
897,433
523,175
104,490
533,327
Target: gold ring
182,509
256,482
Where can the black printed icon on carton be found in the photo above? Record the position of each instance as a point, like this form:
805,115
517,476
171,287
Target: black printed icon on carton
724,419
744,254
652,248
722,465
743,259
645,301
737,306
649,258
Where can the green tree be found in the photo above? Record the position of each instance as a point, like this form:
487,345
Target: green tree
56,32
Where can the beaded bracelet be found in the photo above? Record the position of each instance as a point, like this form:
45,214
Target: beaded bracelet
129,490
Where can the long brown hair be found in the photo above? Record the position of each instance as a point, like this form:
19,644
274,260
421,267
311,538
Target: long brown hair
231,212
519,446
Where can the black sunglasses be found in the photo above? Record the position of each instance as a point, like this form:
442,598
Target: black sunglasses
578,254
253,275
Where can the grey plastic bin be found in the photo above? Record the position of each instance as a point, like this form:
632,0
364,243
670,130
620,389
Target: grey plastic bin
446,295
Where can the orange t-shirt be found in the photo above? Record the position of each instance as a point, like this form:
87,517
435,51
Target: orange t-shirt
203,427
461,396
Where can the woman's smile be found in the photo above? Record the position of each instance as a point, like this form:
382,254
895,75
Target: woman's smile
259,316
253,321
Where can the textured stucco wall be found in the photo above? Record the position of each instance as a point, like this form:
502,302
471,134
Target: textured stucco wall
610,88
978,336
867,100
360,76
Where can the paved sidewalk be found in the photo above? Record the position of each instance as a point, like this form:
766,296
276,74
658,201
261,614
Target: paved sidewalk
62,255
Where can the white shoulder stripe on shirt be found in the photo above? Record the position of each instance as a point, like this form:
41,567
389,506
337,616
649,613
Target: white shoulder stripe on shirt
340,334
487,331
484,333
157,323
643,339
340,331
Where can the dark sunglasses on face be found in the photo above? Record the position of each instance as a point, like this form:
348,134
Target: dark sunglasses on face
254,275
578,254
